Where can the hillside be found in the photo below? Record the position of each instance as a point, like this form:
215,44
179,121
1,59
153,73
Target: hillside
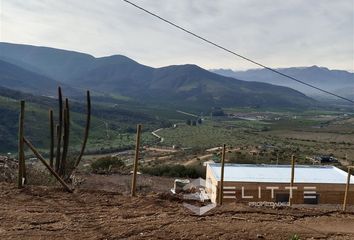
173,86
318,76
58,64
111,126
178,85
17,78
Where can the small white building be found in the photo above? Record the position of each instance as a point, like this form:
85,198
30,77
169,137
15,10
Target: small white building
251,182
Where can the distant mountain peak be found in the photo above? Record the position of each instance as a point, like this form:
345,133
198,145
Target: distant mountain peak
117,58
318,76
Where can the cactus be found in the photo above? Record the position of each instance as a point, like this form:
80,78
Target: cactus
64,152
88,119
59,132
65,138
59,169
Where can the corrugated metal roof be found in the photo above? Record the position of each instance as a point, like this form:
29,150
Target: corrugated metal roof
279,173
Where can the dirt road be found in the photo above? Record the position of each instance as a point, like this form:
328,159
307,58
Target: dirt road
50,213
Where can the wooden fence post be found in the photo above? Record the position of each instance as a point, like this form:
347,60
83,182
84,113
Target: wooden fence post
221,188
277,158
347,189
21,155
292,178
137,148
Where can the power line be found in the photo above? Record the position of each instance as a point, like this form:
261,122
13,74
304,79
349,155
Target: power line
236,54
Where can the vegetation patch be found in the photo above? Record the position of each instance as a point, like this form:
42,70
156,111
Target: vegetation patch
175,171
107,164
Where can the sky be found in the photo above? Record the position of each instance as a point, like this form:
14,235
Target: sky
276,33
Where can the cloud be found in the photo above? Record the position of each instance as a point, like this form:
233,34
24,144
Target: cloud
275,32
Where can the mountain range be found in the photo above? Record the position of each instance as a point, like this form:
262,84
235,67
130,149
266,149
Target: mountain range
337,81
39,69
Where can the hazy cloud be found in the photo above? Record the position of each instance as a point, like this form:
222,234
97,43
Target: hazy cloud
275,32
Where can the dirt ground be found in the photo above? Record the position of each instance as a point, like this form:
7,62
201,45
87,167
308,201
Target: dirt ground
104,211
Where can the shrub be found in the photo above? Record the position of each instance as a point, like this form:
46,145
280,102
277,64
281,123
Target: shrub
241,158
106,164
37,176
175,171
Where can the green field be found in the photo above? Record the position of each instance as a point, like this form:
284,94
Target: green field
305,135
210,134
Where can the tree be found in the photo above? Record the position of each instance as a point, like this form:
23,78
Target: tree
217,112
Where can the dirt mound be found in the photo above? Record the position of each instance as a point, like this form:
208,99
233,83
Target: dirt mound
8,169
